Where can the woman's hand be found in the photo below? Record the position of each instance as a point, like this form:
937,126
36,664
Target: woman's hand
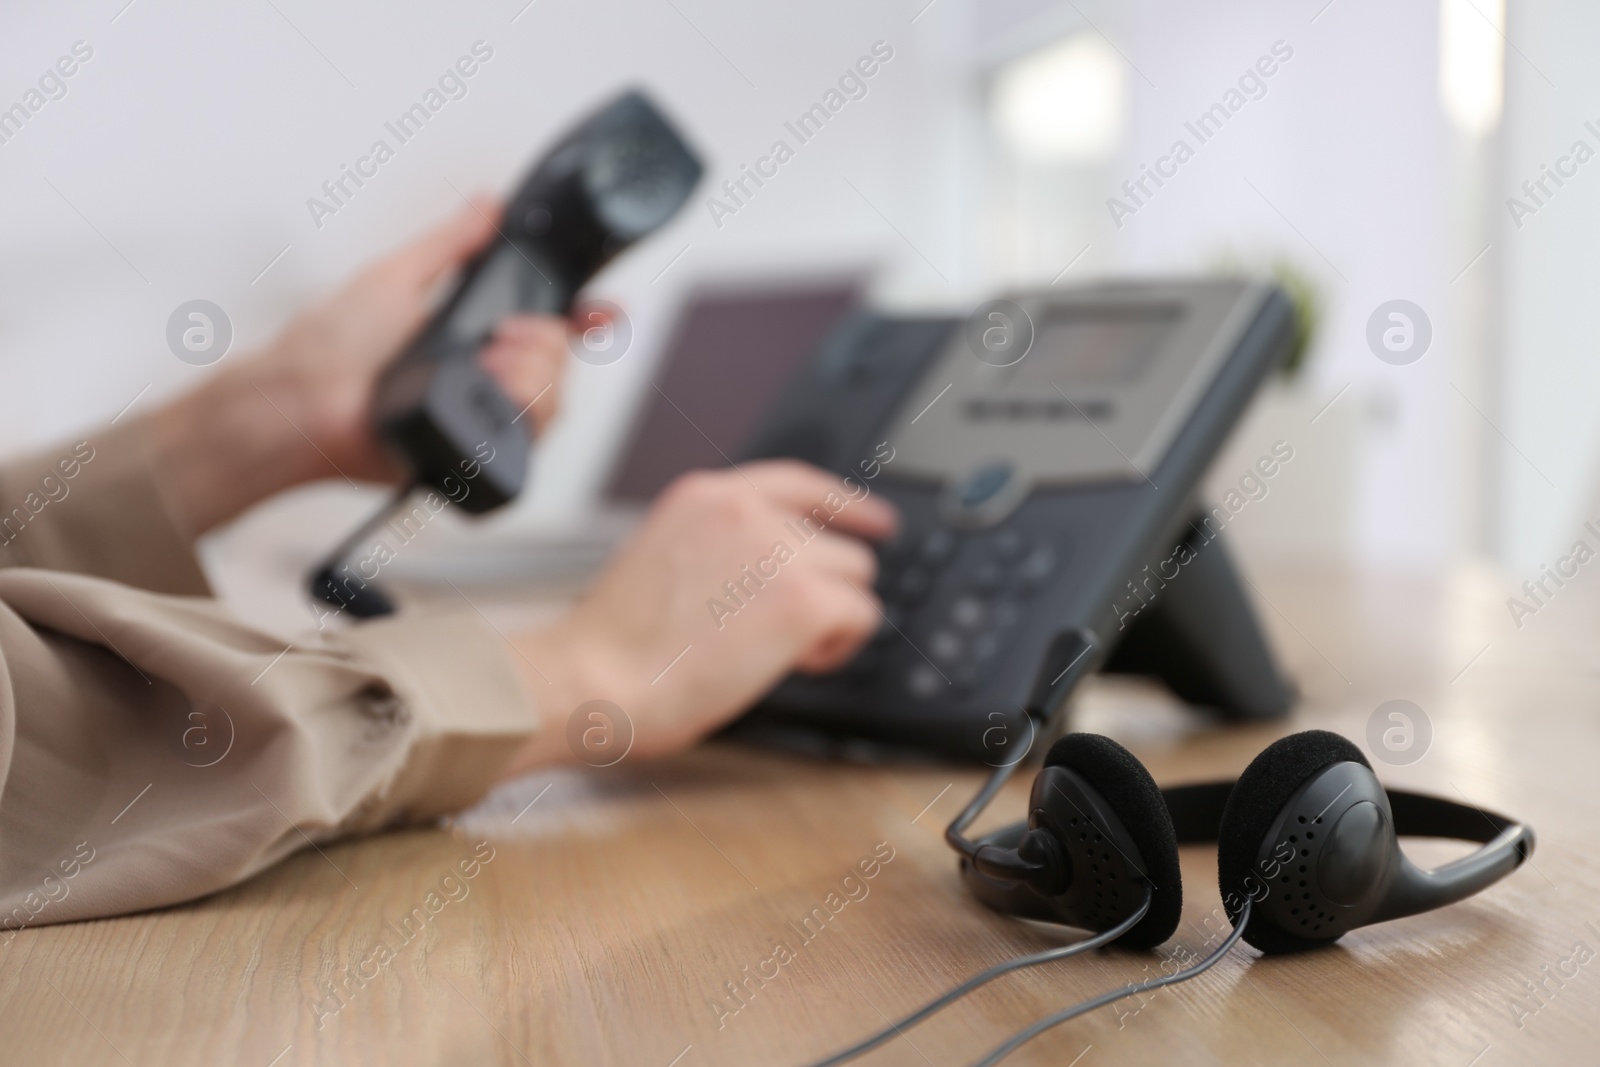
736,578
297,411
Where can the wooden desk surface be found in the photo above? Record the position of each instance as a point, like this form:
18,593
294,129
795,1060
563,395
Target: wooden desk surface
614,910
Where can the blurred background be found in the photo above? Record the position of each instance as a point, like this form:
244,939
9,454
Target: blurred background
996,148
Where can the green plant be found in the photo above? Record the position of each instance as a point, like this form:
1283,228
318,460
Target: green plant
1303,295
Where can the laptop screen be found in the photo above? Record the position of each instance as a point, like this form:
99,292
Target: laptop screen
729,355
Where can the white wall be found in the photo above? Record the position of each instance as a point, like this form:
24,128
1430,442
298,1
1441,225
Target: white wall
1341,167
1552,376
194,136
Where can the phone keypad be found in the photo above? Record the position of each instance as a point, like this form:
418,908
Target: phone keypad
958,634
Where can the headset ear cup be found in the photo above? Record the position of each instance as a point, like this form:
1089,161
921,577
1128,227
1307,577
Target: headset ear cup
1119,777
1262,792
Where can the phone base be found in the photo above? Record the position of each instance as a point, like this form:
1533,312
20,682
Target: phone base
1199,634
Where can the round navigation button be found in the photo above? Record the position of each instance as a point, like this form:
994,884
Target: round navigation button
984,494
982,485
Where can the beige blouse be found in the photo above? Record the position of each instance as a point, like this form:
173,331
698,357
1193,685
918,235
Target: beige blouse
153,748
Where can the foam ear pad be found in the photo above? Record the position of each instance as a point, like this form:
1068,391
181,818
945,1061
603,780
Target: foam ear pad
1125,784
1260,795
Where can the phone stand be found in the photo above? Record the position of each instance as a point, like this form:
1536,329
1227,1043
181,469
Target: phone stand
1198,633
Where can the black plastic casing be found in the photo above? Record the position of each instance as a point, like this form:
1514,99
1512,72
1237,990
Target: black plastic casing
1102,867
617,176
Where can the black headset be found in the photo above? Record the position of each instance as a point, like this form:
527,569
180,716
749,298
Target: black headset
1307,850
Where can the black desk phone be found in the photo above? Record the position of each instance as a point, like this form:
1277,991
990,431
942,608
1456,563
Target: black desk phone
614,178
1045,455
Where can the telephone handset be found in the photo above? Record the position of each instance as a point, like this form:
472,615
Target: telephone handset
1045,455
619,175
614,178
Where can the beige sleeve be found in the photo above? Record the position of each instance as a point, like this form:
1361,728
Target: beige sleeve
91,506
154,749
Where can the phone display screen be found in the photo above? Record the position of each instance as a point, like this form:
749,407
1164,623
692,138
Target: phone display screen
1082,348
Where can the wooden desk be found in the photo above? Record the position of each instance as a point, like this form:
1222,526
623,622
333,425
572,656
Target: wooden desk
615,908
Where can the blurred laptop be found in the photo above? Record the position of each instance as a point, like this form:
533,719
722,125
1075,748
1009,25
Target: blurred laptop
729,355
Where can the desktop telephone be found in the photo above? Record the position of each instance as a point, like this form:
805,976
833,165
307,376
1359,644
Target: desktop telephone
1045,455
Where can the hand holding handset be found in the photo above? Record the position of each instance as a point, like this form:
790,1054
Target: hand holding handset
616,177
